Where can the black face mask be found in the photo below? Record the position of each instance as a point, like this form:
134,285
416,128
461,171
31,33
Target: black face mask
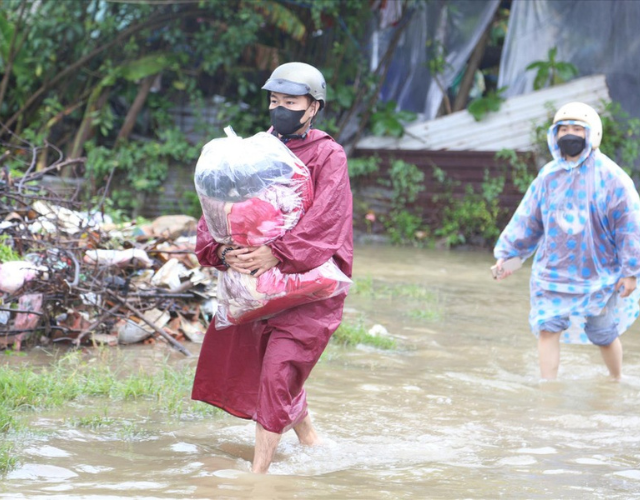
286,121
571,145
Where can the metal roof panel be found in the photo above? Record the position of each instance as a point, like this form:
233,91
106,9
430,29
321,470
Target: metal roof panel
511,127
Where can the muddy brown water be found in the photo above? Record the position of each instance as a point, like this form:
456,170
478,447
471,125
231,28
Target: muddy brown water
457,411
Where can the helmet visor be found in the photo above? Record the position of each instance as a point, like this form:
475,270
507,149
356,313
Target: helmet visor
286,87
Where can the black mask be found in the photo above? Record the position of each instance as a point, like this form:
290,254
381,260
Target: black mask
286,121
571,145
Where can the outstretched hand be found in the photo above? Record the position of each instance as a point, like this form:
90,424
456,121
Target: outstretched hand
626,286
499,272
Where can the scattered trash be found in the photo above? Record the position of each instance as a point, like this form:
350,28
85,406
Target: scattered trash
80,278
120,258
14,274
131,332
378,330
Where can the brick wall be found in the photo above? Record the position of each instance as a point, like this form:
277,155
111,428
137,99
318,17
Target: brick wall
466,167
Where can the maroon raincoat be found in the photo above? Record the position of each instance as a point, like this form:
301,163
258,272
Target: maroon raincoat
257,370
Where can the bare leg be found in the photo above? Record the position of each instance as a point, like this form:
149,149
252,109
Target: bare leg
612,355
549,354
306,432
266,444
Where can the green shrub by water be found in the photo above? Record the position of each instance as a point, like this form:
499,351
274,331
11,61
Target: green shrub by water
352,335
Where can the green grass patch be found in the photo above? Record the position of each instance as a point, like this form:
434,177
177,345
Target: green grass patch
426,314
129,432
424,304
8,458
352,335
7,253
364,287
367,287
91,422
107,380
27,389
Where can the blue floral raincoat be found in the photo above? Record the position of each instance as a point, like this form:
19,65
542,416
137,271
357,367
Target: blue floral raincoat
582,219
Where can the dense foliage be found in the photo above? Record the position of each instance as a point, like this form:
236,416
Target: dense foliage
130,84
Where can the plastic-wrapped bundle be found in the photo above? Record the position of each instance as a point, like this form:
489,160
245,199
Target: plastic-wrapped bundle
251,190
243,298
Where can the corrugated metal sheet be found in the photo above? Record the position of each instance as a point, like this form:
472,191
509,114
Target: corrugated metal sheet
511,127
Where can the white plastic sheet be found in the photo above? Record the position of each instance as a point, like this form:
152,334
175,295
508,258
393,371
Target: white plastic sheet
457,25
597,36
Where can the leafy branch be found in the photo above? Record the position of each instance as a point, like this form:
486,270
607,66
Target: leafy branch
552,72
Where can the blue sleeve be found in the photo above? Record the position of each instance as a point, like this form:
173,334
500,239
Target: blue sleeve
624,217
523,233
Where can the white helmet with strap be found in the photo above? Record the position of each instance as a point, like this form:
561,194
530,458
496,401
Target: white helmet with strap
584,113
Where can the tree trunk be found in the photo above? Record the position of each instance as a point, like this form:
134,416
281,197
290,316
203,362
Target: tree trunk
136,107
381,73
14,49
460,101
86,129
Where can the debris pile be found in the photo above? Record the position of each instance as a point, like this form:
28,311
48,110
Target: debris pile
69,274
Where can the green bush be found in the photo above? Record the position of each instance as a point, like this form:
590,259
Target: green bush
403,222
7,253
552,72
482,106
474,218
522,174
138,166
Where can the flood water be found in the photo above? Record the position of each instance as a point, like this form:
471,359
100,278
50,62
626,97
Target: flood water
456,411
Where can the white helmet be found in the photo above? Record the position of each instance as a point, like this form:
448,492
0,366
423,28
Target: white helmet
297,78
584,113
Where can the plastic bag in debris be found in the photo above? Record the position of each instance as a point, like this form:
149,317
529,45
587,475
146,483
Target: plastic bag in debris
54,218
14,274
251,190
120,258
130,332
243,298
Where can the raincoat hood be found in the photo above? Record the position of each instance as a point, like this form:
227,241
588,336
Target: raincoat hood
552,142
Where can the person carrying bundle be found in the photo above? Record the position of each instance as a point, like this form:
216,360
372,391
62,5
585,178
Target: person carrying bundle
257,370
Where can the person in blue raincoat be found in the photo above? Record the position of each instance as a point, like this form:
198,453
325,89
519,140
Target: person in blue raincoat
581,217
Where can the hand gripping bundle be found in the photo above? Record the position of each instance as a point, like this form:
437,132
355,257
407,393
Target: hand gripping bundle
252,192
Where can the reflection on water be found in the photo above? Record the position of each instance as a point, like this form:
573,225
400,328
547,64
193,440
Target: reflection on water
457,411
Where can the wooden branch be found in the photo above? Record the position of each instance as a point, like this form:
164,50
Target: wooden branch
460,101
445,97
93,325
136,107
160,331
86,127
384,63
13,52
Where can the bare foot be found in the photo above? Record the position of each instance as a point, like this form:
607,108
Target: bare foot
306,433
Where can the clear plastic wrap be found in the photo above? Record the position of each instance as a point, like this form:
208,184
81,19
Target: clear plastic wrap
243,298
252,192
